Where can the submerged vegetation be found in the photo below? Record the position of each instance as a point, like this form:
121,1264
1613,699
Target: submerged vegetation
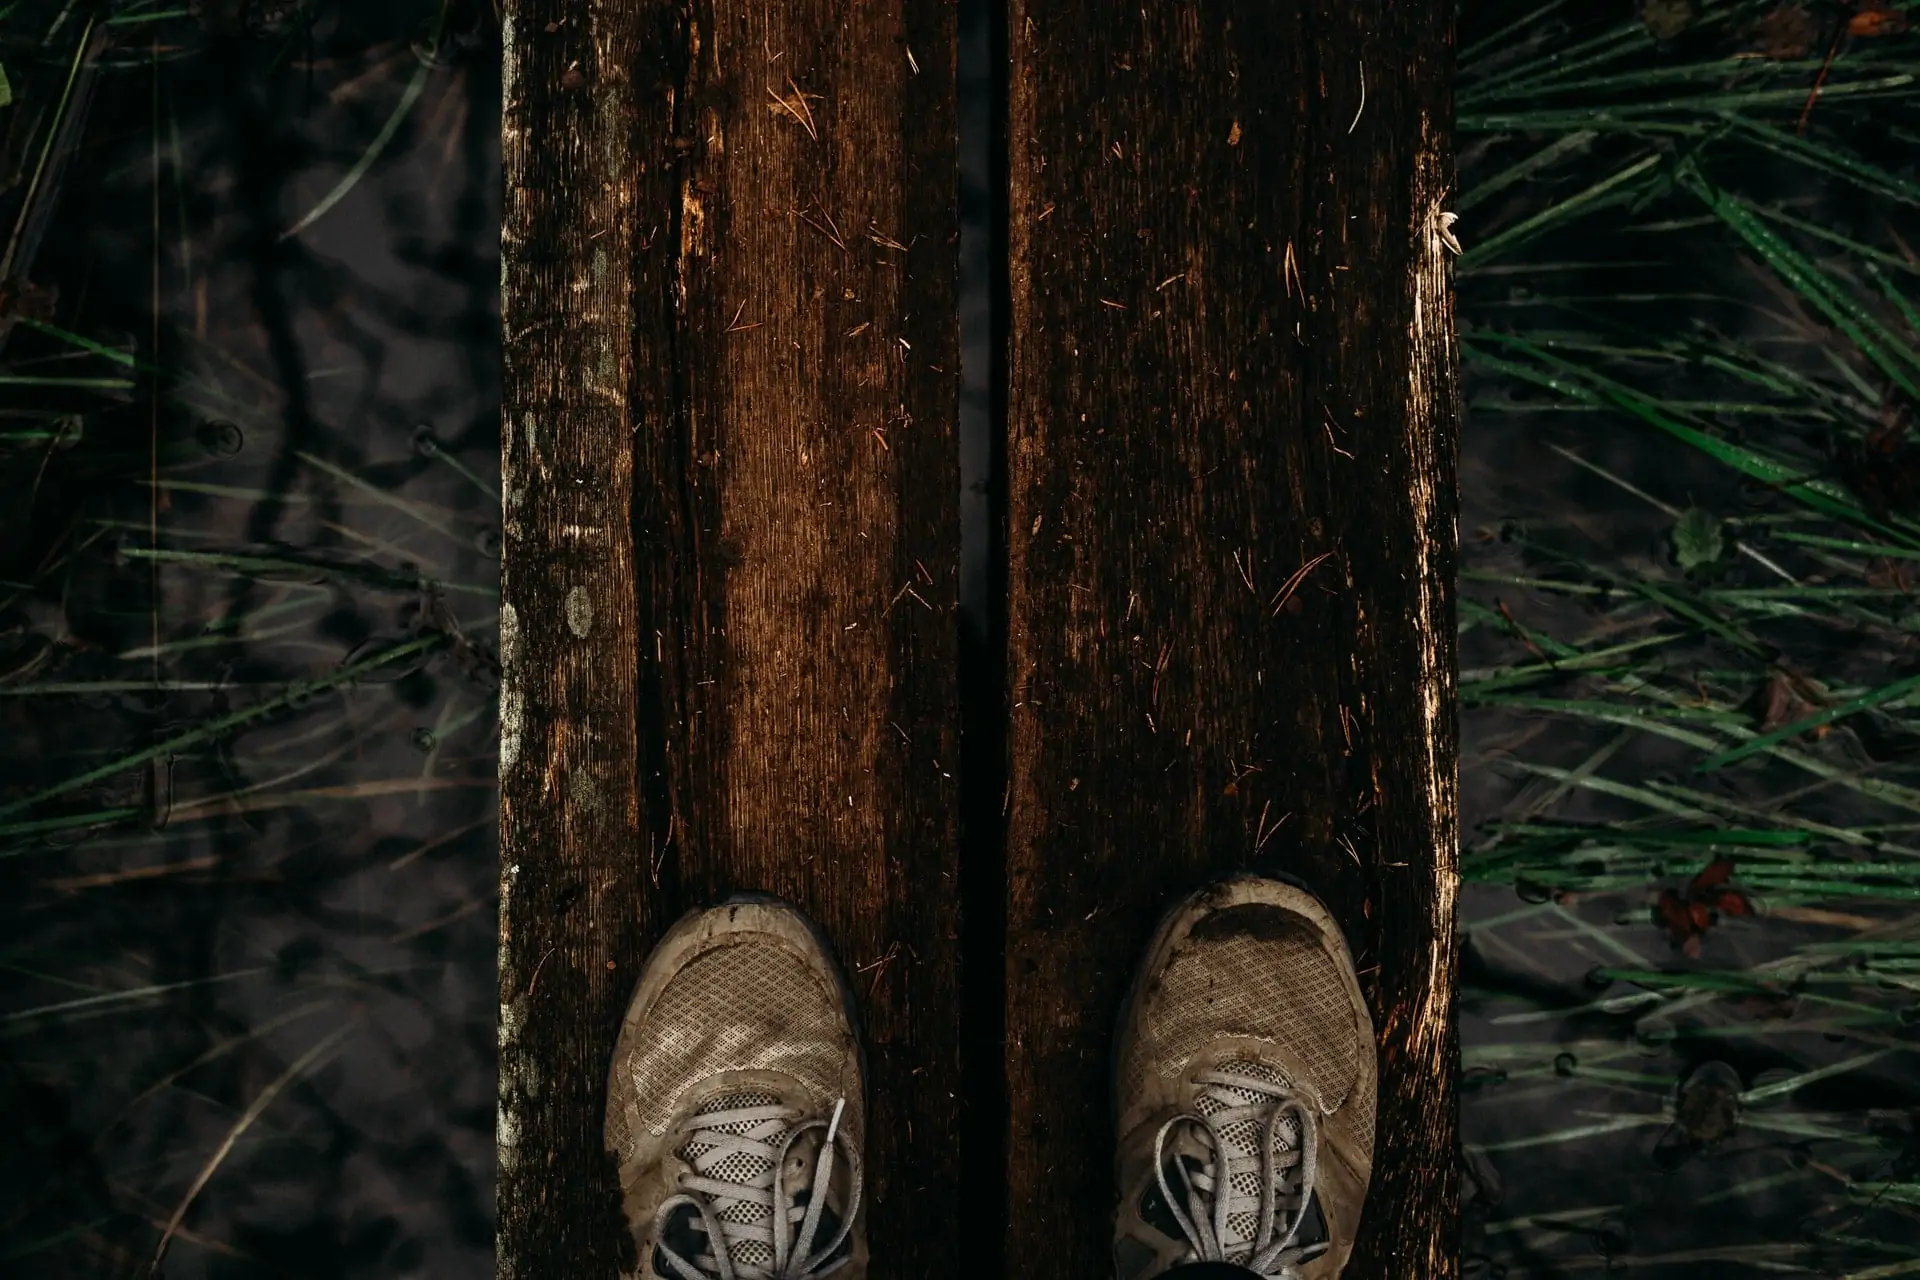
247,601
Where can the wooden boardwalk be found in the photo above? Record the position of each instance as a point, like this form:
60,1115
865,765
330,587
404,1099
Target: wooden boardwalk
729,637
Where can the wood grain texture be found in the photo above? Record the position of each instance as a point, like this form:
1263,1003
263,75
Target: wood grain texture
1232,429
731,250
571,844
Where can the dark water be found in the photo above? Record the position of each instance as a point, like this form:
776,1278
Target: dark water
300,911
253,972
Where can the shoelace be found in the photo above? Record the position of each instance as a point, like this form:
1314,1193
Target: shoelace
768,1135
1212,1197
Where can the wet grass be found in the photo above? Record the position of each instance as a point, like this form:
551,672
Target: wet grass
1690,699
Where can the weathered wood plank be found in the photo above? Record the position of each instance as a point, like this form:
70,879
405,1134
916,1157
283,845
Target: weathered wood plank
761,227
572,909
1231,367
814,517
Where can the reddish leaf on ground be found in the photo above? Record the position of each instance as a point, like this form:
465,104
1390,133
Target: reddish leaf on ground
1714,874
1770,1004
1687,917
1731,902
1676,917
1877,18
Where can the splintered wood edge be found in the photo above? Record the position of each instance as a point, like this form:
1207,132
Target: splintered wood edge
568,750
1424,1022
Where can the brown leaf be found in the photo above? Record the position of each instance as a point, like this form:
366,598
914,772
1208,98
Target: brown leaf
1687,918
1770,1005
1786,34
1876,18
1888,575
1786,697
1776,703
26,300
1805,685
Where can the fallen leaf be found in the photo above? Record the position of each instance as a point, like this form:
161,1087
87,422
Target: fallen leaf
1788,696
1698,539
1786,34
1888,575
1688,916
1877,18
1708,1106
1671,914
1769,1005
1716,873
1731,902
1666,19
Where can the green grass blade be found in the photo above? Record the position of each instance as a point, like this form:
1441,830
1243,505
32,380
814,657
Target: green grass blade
1886,693
1615,188
223,725
351,178
1582,383
1828,159
1888,352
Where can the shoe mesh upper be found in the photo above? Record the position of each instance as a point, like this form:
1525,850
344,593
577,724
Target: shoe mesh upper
1262,975
751,1007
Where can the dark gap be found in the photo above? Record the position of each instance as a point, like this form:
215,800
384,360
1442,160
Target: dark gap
982,91
652,520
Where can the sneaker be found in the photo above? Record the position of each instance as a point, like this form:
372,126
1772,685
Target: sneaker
736,1102
1244,1089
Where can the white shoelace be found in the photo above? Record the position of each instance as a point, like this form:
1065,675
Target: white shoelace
765,1245
1215,1203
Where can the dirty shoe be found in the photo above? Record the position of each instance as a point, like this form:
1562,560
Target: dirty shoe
736,1103
1244,1089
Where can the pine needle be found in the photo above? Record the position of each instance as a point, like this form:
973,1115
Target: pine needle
307,1061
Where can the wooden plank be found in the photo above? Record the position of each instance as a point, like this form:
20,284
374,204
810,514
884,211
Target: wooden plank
1231,356
572,907
731,246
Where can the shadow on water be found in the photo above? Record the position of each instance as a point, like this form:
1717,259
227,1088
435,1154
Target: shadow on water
248,589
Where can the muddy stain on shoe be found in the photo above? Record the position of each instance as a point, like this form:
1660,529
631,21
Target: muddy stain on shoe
1261,923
